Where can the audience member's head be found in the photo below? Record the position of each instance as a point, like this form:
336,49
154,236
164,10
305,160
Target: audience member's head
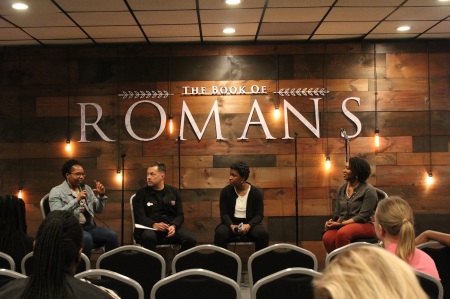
394,219
368,272
13,225
57,253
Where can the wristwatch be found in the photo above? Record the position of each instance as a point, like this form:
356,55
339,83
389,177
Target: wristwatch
340,222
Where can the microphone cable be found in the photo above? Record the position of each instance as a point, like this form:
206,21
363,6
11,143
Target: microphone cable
92,213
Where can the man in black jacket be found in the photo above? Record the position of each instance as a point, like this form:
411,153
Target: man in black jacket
158,207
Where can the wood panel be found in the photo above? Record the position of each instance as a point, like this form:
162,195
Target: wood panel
37,117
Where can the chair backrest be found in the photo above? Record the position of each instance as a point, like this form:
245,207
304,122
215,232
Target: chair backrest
295,283
337,251
45,207
7,262
441,256
28,264
143,265
122,285
432,287
132,217
7,275
209,257
196,283
278,257
381,194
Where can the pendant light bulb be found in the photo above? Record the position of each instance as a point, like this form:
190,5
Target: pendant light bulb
68,145
327,162
430,179
277,111
170,123
376,137
119,176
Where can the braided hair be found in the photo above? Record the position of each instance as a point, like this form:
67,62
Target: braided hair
57,247
13,227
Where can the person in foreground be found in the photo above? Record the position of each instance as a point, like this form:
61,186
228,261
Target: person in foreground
75,196
14,240
431,235
241,202
57,253
159,207
368,272
355,204
394,226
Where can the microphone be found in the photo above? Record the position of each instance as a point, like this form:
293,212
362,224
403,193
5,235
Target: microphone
82,188
344,133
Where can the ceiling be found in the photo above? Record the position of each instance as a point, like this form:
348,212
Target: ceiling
56,22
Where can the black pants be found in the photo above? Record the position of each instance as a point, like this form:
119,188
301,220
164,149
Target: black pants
150,238
257,234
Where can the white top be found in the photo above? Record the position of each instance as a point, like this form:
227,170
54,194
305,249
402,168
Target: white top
241,204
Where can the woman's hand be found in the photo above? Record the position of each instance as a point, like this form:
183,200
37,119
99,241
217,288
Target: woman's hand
330,224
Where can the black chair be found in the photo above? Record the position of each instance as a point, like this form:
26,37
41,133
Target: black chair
432,287
209,257
28,264
278,257
337,251
7,262
196,284
7,275
441,256
143,265
291,283
122,285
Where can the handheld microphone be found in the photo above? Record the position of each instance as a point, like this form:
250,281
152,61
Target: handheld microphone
83,188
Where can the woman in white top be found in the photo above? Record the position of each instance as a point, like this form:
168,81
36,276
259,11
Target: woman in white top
241,210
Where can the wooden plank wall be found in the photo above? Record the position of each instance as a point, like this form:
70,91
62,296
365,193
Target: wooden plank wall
41,89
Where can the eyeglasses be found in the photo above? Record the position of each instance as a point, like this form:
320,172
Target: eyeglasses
78,174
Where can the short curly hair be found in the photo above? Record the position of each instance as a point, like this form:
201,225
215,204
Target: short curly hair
360,168
68,166
241,168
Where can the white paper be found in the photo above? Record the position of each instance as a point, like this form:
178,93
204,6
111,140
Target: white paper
143,227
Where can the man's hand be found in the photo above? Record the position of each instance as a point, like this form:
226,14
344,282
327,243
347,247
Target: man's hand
171,231
161,226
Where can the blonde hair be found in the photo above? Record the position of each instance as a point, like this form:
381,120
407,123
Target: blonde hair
396,217
368,272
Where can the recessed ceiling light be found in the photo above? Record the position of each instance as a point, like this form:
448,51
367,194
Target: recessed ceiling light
19,6
229,30
443,0
403,28
232,2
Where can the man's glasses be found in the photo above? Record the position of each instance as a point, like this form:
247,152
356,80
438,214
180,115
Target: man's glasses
78,174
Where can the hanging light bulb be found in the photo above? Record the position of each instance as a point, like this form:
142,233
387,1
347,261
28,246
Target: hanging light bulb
170,123
376,137
277,111
430,179
68,145
327,162
119,176
20,193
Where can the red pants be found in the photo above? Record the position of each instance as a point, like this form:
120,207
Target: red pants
335,238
